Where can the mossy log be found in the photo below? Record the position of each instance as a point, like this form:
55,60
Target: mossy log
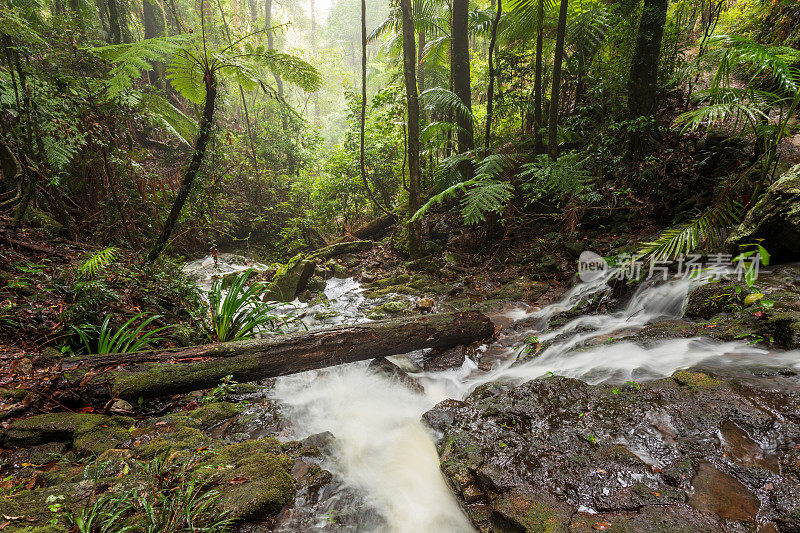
164,372
376,228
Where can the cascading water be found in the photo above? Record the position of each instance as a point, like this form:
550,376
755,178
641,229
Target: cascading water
386,454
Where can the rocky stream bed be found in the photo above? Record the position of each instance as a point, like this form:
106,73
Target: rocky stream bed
659,407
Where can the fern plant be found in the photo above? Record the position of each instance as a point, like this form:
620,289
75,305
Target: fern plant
483,194
749,108
706,230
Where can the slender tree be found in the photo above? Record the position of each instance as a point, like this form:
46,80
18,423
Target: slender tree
537,83
552,123
460,71
203,136
412,99
490,90
155,25
364,105
642,82
271,44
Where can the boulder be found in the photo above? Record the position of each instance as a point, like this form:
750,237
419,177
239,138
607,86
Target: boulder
688,453
775,220
290,280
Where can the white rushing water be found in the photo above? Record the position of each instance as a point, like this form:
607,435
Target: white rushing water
385,452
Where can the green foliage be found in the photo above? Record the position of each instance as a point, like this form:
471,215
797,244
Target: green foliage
706,230
566,176
222,391
97,262
238,313
131,60
170,497
125,339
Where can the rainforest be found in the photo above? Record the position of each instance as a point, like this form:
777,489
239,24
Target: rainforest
399,266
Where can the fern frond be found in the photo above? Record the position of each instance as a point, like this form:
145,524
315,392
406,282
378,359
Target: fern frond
132,60
484,196
708,230
98,261
162,113
442,100
287,66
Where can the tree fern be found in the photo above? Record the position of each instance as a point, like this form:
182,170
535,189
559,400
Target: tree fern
133,59
482,194
566,175
97,261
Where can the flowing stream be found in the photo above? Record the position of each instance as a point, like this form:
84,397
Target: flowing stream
386,454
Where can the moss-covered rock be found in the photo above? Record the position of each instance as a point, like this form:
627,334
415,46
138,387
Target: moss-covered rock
171,440
255,477
290,280
713,298
774,220
90,434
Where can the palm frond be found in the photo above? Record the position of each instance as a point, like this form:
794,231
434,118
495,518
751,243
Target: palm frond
97,261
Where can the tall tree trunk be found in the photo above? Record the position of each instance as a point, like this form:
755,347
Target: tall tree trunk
114,22
459,67
552,123
364,106
155,25
314,48
643,80
490,90
203,136
271,43
537,83
410,76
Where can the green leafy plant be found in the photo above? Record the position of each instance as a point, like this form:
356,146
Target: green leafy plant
97,262
239,313
102,514
127,338
222,391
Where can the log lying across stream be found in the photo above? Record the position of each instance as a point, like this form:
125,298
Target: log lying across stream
164,372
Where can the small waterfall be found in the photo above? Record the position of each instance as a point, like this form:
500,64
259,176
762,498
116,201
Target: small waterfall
386,454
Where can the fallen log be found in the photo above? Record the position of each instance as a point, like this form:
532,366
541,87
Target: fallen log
376,228
164,372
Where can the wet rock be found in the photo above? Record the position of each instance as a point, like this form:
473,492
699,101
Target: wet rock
695,452
120,407
290,280
316,284
774,220
424,305
714,298
322,441
443,360
383,366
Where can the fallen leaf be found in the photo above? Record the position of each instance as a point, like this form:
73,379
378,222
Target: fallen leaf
600,526
237,481
13,517
4,524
